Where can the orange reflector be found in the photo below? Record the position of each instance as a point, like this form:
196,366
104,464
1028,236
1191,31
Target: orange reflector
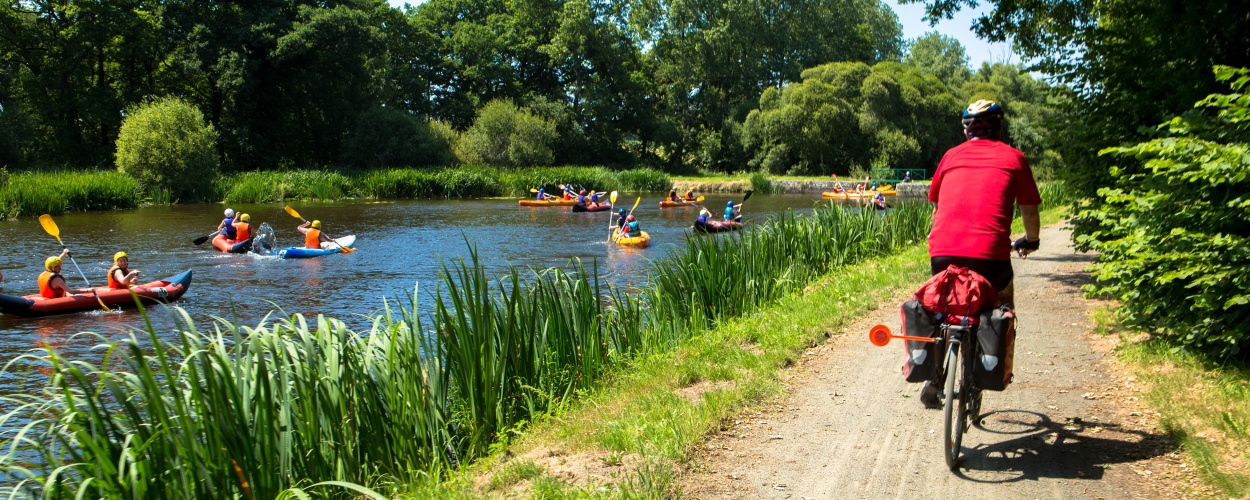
879,335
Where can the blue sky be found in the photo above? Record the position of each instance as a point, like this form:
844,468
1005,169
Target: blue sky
910,16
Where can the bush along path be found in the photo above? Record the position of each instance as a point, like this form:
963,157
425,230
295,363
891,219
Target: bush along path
850,427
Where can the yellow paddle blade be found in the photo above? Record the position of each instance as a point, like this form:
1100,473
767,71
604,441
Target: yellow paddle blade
532,190
293,213
635,204
701,198
613,197
45,220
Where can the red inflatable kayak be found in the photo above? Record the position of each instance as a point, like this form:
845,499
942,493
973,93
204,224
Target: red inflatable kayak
717,226
166,290
599,207
233,246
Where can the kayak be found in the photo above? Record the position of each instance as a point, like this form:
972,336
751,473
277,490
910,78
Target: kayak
678,204
854,195
643,241
547,203
166,290
717,226
593,208
305,252
227,245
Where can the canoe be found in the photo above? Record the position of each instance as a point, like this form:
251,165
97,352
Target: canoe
593,208
166,290
716,226
305,252
854,195
227,245
547,203
678,204
643,241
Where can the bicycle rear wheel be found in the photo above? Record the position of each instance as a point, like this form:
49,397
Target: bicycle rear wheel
954,406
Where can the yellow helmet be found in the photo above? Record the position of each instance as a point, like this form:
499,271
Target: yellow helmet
52,262
245,217
316,224
118,255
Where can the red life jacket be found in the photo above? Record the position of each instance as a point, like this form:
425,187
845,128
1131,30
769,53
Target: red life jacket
45,285
113,283
957,291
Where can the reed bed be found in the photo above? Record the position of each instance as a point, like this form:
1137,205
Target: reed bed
30,194
276,186
289,407
519,182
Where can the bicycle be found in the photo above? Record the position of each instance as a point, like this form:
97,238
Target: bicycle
960,396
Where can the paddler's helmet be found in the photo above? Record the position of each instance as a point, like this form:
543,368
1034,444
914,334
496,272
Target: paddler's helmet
630,218
51,263
316,224
621,211
582,192
119,255
229,213
245,217
731,204
704,213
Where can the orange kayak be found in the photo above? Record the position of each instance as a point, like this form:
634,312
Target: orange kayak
676,204
854,195
166,290
547,203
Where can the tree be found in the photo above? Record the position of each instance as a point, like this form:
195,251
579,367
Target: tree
941,55
507,136
166,145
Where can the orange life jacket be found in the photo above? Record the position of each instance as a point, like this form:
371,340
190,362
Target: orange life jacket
45,285
113,283
242,231
312,239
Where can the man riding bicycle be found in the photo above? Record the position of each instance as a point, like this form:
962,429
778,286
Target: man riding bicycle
976,188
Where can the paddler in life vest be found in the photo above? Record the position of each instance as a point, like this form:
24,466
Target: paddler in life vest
243,227
690,195
582,199
313,237
620,220
878,201
672,195
630,229
120,275
704,215
733,213
51,284
227,225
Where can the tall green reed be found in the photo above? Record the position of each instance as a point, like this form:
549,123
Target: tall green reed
56,192
276,186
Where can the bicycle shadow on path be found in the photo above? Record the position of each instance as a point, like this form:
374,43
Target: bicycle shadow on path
1045,448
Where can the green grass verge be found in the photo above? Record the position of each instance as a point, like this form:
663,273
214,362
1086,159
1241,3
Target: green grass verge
32,194
1203,405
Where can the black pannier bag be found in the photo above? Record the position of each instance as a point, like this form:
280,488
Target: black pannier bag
997,340
922,359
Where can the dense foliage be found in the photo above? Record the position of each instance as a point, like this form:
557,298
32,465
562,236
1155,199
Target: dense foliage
1174,232
167,146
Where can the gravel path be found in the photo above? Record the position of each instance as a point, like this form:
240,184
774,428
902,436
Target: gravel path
1068,427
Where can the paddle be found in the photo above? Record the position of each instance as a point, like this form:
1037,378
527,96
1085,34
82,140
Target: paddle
612,198
202,239
45,220
295,214
745,197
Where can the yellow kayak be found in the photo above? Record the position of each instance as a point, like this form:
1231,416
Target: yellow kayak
547,203
682,203
643,241
854,195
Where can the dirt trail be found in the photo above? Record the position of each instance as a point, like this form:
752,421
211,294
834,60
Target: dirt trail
850,427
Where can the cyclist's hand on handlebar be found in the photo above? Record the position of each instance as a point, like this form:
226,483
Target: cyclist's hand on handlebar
1024,247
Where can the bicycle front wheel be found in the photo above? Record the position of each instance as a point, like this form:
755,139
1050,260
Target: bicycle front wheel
954,406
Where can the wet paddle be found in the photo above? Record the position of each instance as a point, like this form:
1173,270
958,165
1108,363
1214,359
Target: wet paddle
612,198
202,239
295,214
45,220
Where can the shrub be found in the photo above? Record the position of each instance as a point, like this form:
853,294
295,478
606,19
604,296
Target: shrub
167,146
392,137
1173,239
760,183
507,136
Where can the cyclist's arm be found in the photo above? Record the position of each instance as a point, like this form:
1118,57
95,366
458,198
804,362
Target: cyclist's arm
1032,222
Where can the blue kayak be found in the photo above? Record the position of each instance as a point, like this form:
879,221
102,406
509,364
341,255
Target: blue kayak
305,252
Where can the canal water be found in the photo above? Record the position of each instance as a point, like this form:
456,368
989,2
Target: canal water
401,244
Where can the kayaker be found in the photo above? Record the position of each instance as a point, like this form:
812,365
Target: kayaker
581,198
541,195
227,225
620,220
690,195
594,199
568,192
120,275
630,229
837,187
313,237
704,215
242,228
733,213
879,200
672,194
51,284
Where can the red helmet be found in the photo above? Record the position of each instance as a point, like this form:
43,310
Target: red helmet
582,192
629,218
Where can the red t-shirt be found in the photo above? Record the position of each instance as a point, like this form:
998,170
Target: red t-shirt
976,187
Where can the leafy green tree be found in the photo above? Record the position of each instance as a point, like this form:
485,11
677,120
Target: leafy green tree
1173,232
507,136
166,145
941,55
390,137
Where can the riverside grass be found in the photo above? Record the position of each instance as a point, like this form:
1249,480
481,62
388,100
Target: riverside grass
32,194
286,405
